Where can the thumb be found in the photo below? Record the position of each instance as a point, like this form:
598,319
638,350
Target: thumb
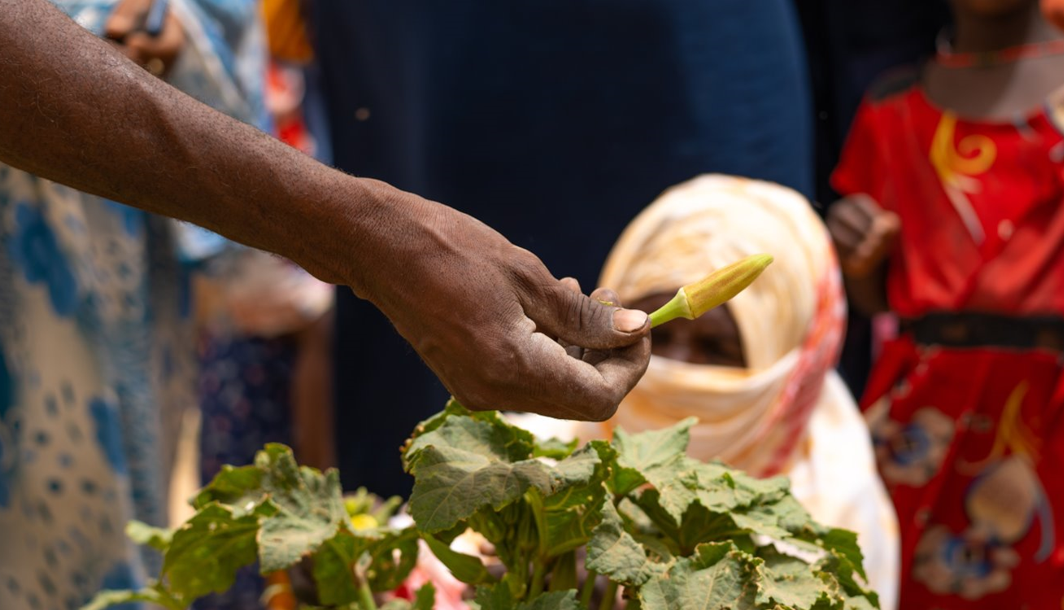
585,322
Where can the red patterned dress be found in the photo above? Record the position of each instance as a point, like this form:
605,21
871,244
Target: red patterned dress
966,405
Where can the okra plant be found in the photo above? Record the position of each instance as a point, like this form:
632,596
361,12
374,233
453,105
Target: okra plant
669,531
659,529
282,516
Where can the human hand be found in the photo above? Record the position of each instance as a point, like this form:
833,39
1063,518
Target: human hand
486,316
156,54
863,232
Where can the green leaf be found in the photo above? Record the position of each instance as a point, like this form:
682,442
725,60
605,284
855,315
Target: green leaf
206,552
239,488
720,488
554,448
558,600
152,595
842,570
779,520
425,598
649,456
334,568
484,434
452,484
452,409
156,537
789,581
715,486
389,556
500,598
763,510
613,552
697,525
466,568
573,510
393,556
497,597
844,543
310,508
716,577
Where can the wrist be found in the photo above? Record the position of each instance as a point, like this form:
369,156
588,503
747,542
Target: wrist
374,234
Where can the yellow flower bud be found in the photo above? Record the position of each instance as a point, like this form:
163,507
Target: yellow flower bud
715,289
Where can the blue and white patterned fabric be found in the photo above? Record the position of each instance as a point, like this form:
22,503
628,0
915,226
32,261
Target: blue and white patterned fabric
96,359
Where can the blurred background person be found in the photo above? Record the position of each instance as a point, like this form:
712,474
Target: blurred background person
96,354
849,45
757,372
554,122
953,222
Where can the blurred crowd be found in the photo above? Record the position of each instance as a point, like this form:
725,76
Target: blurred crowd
902,160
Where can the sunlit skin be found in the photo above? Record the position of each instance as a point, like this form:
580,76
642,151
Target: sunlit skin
712,339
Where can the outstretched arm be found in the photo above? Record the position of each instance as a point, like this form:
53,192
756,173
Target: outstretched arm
481,312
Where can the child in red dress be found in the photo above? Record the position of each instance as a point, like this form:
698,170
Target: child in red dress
954,221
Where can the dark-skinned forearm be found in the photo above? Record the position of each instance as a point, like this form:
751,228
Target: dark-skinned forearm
868,293
117,132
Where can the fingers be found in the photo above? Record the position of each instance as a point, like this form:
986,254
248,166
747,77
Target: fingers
125,19
154,53
573,389
848,222
602,295
586,388
863,233
574,351
579,320
163,48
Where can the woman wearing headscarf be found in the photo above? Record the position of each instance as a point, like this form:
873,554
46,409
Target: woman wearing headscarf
96,358
757,373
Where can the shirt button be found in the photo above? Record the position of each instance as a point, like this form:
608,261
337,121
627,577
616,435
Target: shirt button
362,114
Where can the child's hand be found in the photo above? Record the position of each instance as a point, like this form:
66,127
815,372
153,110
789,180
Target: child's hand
864,234
156,54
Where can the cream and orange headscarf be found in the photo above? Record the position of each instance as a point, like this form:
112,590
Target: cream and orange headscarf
790,320
787,412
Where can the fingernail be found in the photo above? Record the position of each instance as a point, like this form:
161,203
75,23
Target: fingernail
629,320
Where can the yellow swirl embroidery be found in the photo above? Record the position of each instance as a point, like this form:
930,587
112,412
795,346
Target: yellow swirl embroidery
1013,436
974,154
957,168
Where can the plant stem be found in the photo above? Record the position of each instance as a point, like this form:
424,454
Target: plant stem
588,589
365,596
539,571
610,598
677,307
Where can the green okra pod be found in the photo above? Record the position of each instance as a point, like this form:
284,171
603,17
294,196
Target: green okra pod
715,289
